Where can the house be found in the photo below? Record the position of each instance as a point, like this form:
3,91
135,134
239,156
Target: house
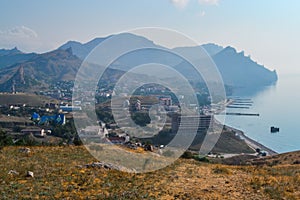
165,101
70,108
116,140
34,131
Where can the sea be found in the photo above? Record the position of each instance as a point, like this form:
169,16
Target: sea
277,105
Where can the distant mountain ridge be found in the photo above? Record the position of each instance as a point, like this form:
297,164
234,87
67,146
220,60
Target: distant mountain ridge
235,68
30,70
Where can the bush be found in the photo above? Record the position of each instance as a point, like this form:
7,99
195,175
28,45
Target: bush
201,159
5,139
297,162
187,155
77,141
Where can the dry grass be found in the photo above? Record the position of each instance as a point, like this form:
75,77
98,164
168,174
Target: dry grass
57,176
22,98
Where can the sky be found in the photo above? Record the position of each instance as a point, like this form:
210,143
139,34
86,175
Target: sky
267,30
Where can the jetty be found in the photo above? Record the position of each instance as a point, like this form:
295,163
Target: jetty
240,107
241,114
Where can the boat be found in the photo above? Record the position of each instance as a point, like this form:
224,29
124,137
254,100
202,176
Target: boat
274,129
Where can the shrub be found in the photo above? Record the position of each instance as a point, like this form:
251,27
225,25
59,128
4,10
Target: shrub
187,155
201,159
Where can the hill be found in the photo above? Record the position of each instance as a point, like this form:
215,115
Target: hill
60,173
290,158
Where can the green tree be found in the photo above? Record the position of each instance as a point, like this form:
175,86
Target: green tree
5,139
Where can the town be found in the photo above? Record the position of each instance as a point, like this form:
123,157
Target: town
50,121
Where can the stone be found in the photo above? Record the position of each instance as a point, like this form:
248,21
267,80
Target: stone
30,174
24,150
13,172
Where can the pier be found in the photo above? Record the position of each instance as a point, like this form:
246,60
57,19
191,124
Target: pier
241,114
240,107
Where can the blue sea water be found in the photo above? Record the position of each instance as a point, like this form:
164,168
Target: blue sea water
279,106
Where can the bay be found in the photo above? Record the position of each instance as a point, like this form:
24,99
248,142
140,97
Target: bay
279,106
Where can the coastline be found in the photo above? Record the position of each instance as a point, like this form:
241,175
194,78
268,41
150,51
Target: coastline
250,142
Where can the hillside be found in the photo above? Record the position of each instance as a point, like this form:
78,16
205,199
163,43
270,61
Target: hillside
22,98
59,173
290,158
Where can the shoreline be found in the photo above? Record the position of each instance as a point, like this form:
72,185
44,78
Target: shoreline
250,142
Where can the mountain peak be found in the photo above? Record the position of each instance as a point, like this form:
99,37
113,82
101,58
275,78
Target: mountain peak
81,50
4,52
230,50
212,49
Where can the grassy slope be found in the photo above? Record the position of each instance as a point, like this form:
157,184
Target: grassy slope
22,98
58,177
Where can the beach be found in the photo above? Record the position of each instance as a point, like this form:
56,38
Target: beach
250,142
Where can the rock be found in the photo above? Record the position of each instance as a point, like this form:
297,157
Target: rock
149,147
107,166
24,150
13,172
30,174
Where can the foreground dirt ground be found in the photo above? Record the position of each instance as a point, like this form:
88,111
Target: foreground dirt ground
57,175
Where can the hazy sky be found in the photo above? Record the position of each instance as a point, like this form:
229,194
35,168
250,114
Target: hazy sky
268,30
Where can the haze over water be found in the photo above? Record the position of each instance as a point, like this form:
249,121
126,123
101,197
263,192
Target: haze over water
278,106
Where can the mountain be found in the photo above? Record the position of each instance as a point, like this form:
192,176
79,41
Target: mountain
212,49
28,70
4,52
236,69
43,70
239,70
13,56
40,70
193,52
82,50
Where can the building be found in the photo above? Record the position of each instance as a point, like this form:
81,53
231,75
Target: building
165,101
91,130
70,108
59,119
116,140
201,122
34,131
138,105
